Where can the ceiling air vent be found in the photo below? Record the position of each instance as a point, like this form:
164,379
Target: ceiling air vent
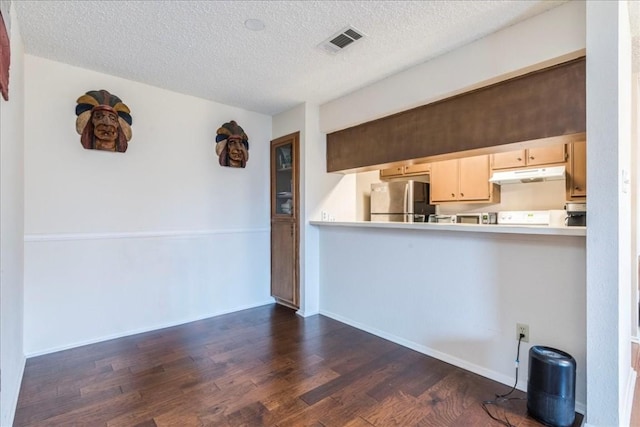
341,40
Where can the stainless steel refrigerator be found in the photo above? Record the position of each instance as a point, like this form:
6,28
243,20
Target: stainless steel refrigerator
402,201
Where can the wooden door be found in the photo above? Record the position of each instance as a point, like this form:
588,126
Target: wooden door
577,180
285,220
474,178
546,155
284,259
444,181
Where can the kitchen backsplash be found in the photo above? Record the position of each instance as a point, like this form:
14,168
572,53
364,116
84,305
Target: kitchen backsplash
517,197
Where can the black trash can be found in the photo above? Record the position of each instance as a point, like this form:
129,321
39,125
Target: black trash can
551,388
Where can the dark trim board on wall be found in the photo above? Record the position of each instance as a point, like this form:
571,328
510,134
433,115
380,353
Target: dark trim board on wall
547,103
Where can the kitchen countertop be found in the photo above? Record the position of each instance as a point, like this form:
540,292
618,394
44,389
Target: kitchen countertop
469,228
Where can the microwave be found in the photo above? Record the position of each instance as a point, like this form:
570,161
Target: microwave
442,219
477,218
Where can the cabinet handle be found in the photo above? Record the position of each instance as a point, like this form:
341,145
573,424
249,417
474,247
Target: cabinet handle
453,195
462,194
519,159
578,188
531,158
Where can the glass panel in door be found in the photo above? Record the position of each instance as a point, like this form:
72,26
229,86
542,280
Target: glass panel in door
284,202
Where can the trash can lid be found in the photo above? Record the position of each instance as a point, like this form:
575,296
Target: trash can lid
550,353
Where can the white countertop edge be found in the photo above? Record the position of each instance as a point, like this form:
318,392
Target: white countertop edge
470,228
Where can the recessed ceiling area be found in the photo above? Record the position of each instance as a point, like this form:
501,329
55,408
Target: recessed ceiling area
202,48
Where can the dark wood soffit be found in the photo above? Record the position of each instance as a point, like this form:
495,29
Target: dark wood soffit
543,104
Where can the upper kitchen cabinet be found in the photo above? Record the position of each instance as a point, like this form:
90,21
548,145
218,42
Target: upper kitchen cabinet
577,171
465,179
408,171
529,157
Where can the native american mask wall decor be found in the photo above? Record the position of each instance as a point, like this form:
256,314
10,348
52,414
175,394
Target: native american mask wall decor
232,145
104,122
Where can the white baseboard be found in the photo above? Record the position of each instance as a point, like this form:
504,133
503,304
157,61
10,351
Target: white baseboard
460,363
303,313
143,330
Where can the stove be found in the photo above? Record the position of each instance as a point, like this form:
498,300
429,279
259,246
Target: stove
524,217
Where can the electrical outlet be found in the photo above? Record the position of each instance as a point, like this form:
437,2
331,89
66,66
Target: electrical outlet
523,329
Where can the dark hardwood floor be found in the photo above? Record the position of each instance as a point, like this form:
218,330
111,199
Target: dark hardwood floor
259,367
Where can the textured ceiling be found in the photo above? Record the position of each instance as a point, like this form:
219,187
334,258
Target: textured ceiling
202,48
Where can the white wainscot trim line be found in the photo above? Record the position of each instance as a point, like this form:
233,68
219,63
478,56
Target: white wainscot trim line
56,237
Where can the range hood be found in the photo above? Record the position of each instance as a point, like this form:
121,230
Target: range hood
528,175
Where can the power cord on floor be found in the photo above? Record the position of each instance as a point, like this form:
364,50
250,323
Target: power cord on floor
501,398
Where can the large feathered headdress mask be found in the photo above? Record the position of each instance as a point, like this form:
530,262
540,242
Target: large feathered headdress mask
231,131
102,100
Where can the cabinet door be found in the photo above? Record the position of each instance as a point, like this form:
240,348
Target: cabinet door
444,181
419,169
577,180
474,178
546,155
284,260
510,159
386,173
530,157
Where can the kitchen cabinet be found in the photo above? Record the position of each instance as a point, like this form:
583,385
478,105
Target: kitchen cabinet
529,157
409,170
577,171
285,225
463,180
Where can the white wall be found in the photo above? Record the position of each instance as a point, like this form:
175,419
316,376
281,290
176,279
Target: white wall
635,185
608,244
363,194
11,230
286,123
319,192
548,38
627,375
457,296
160,235
552,37
325,192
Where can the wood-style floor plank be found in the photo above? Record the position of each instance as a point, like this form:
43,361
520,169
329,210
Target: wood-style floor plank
259,367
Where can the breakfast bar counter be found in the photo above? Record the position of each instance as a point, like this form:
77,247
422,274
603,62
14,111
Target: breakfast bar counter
467,228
